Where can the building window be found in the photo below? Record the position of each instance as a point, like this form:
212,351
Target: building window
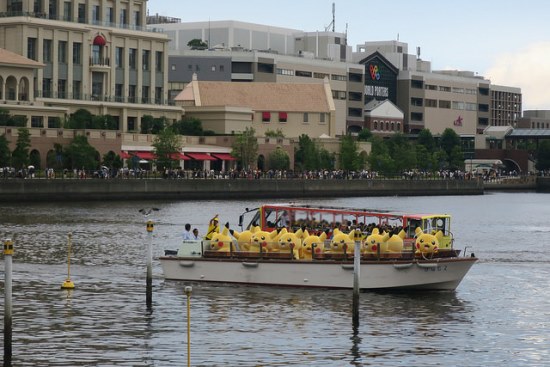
47,51
145,59
145,94
118,92
132,93
37,121
458,105
213,68
46,87
119,57
416,102
266,116
417,84
67,11
444,104
320,75
341,78
123,17
95,14
375,125
77,89
132,58
416,116
285,72
81,13
159,61
306,118
221,68
431,103
77,53
61,88
158,95
62,52
322,117
131,124
283,116
137,18
109,17
305,74
31,48
444,89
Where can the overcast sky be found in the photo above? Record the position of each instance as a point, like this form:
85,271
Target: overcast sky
505,41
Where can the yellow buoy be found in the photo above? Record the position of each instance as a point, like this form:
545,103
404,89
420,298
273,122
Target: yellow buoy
68,284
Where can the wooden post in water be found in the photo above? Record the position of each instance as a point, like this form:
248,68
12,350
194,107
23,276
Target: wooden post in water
356,275
149,281
188,291
8,253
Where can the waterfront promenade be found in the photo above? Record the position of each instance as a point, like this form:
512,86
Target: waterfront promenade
94,189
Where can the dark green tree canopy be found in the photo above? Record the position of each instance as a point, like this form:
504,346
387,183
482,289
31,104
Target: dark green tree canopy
190,126
543,156
20,155
197,44
279,159
166,144
5,154
245,148
80,154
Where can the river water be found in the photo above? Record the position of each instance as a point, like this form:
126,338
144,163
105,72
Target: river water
499,315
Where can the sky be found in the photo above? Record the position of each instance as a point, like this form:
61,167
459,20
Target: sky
507,42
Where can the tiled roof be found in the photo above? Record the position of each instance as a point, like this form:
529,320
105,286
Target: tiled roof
11,58
260,96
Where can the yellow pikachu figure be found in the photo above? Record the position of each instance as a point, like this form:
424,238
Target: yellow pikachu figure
289,242
261,239
221,241
375,242
342,242
312,244
426,243
245,237
394,244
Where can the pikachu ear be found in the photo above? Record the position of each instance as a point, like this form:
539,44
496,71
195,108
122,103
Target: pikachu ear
225,231
323,236
402,234
283,231
306,234
418,231
255,229
274,234
236,234
336,232
439,235
375,231
299,233
385,237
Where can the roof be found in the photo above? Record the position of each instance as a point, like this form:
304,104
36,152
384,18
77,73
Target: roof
530,133
258,96
11,58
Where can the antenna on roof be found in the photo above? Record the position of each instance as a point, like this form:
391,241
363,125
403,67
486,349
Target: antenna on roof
333,23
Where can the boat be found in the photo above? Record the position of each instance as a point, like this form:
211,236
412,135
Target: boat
295,245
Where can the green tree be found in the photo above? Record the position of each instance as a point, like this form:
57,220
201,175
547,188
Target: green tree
20,155
379,158
543,156
279,159
274,134
189,126
167,145
8,120
364,135
80,154
80,119
326,159
426,139
151,125
425,160
112,160
197,44
105,122
449,139
5,154
402,153
55,158
4,117
306,156
245,148
349,157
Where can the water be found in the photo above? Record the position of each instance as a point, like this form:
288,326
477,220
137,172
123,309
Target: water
499,315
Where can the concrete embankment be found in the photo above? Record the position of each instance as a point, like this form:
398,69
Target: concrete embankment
16,190
543,184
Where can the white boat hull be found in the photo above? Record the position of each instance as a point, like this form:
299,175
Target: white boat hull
436,274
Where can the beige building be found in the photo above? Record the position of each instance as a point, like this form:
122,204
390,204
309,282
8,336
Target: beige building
230,108
96,55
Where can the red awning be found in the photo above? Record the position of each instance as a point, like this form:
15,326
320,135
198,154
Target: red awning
125,155
224,156
180,157
266,116
144,155
201,156
282,116
99,41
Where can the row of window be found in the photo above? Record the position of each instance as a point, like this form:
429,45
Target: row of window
283,117
419,84
309,74
455,105
98,57
386,125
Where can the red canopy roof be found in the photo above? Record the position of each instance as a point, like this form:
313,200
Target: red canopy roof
99,41
201,156
125,155
224,156
180,157
145,155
